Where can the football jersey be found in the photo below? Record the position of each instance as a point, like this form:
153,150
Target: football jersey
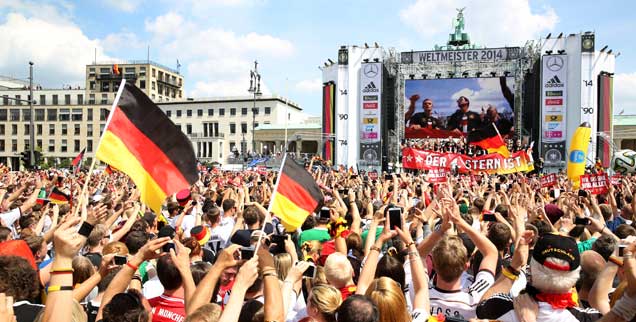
461,303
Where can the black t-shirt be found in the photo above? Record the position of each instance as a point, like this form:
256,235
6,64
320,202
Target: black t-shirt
91,311
242,236
25,311
422,120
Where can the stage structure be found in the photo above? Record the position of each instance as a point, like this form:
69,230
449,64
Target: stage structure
535,88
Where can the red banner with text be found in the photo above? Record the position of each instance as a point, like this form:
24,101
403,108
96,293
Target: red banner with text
548,180
595,183
490,163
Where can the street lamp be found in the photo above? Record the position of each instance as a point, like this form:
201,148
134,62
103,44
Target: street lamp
255,89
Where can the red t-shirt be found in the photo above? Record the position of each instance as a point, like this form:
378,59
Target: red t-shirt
166,308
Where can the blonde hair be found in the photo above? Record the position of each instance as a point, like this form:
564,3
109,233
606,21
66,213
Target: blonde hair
320,278
282,262
338,270
210,312
327,300
449,258
389,298
115,247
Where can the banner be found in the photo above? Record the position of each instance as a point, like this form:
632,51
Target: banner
465,55
553,98
328,120
426,133
370,111
595,183
615,180
548,180
490,163
605,118
437,176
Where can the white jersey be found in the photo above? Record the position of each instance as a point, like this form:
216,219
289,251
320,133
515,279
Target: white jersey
461,303
500,307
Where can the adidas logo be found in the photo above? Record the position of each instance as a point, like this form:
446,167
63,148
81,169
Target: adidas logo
370,88
554,82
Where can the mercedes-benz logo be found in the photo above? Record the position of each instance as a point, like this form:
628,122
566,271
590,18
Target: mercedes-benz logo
554,63
371,70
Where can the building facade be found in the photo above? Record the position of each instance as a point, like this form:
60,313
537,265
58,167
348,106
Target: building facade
222,128
160,83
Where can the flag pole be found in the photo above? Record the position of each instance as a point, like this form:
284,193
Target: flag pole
101,137
271,202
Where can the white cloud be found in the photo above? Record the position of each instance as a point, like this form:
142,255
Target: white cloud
489,23
58,13
218,61
624,94
60,54
116,41
124,5
310,85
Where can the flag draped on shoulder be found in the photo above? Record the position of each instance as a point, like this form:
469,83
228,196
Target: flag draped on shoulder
297,195
141,141
488,138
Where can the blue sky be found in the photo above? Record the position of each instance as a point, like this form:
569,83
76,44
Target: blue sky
216,41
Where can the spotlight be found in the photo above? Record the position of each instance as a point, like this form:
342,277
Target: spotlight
330,61
493,74
377,60
617,54
561,51
424,76
411,76
478,74
326,65
438,75
548,52
604,48
549,35
451,74
609,51
376,44
366,60
465,74
366,45
560,35
506,73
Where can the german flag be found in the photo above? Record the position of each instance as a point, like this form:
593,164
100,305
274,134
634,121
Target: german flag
142,142
58,197
109,169
297,195
488,138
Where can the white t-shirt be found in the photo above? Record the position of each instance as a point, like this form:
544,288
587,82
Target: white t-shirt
500,307
461,303
189,221
223,231
10,217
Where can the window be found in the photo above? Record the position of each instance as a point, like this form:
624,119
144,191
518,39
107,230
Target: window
255,110
15,114
178,113
168,113
3,114
2,145
188,128
142,84
154,72
64,129
17,100
268,110
104,99
104,70
89,114
153,85
77,114
244,128
244,111
91,85
199,113
142,71
89,146
91,72
38,144
14,129
232,112
101,128
14,145
89,129
105,86
39,129
65,114
189,113
42,99
80,99
5,100
51,129
51,145
210,112
91,99
67,99
27,129
76,130
27,145
103,114
220,150
39,114
1,129
26,114
255,124
64,146
232,128
221,112
54,99
77,145
51,114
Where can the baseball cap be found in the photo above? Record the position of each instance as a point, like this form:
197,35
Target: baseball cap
557,246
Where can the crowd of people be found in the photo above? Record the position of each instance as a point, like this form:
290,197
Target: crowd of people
389,249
